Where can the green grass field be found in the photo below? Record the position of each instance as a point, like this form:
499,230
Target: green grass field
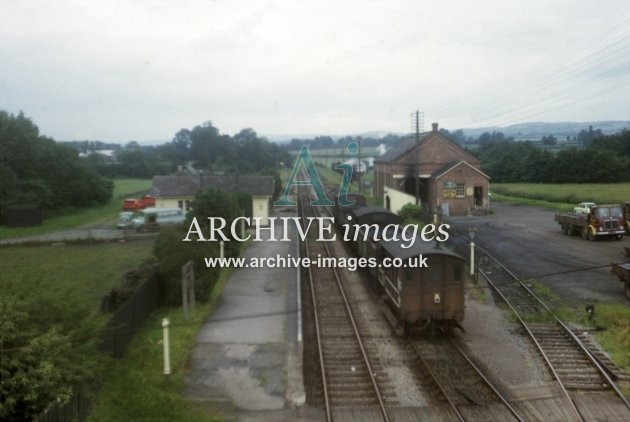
105,214
76,275
560,197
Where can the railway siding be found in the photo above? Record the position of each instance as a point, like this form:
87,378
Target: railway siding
582,379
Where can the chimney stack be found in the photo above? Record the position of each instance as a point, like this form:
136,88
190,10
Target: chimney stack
435,127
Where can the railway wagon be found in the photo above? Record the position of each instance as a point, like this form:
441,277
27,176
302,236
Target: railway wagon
427,289
367,223
341,212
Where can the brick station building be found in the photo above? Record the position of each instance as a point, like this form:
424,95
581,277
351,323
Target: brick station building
433,172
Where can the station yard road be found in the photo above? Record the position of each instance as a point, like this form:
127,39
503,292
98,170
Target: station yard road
529,242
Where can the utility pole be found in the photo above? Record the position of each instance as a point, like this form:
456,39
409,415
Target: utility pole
359,167
418,128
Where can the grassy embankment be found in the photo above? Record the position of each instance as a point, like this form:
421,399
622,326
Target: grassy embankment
135,387
612,321
104,214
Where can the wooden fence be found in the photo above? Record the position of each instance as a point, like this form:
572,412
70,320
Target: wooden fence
130,316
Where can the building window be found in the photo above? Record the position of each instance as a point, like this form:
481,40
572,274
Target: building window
187,204
180,204
461,190
450,189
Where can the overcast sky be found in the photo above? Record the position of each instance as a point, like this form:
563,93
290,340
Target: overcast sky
121,70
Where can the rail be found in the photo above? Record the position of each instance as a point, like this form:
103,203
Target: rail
489,383
566,329
349,313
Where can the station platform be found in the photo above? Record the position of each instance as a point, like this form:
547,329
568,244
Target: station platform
247,361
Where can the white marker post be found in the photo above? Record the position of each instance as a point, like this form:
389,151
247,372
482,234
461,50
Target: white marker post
165,342
471,232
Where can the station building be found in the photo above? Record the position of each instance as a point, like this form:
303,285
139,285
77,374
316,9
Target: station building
179,190
433,172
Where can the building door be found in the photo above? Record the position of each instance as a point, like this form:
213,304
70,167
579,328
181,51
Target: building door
478,195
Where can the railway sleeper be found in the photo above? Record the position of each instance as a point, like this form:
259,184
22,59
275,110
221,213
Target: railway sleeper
346,350
355,360
564,352
585,386
594,377
551,334
355,388
350,370
358,402
350,389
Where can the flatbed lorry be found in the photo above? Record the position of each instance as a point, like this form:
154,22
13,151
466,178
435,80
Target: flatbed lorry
602,221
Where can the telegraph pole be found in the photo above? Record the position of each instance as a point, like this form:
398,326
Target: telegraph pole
359,167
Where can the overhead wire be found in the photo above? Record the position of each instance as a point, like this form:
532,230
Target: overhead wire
607,48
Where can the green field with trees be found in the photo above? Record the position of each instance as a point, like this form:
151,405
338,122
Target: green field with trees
49,314
605,160
106,214
34,169
49,308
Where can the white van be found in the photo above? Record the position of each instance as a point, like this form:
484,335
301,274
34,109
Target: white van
155,217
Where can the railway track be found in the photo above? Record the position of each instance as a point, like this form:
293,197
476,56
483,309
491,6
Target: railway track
348,379
575,368
470,394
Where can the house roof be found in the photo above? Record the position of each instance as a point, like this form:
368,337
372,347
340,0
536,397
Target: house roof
450,166
406,145
189,185
397,151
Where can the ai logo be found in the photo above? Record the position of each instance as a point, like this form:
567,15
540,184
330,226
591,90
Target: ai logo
305,159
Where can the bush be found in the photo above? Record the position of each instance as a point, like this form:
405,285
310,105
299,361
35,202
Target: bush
410,212
41,358
173,253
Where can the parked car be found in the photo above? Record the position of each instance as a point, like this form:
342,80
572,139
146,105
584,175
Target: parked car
584,207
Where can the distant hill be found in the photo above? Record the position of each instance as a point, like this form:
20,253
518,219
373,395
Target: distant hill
536,130
521,131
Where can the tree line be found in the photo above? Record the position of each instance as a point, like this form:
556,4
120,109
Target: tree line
35,169
56,176
203,148
606,159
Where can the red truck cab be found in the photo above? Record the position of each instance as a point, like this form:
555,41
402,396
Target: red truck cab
136,204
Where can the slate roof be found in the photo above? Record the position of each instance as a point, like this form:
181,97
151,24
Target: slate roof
189,185
451,165
397,151
408,144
